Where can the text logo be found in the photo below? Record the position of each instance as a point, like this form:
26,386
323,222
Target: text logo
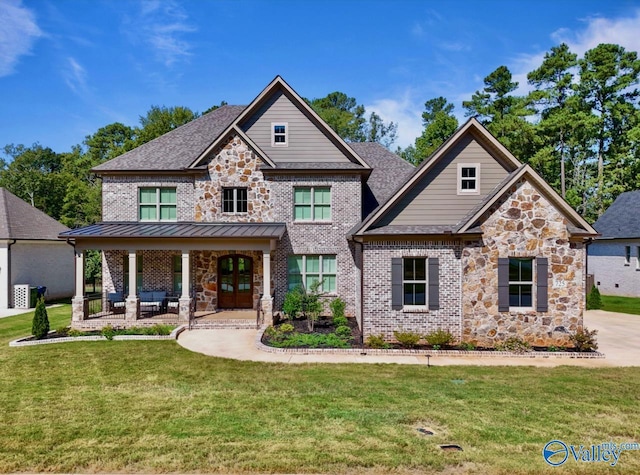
555,453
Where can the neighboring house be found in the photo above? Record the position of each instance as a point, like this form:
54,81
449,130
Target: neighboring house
30,251
614,257
242,204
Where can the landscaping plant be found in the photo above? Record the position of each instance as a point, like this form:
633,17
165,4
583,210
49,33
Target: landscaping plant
584,340
337,307
377,342
407,339
594,302
40,324
439,338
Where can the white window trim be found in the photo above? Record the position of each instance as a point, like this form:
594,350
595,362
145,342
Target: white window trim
235,199
303,272
417,308
526,282
313,205
286,134
627,255
157,204
475,191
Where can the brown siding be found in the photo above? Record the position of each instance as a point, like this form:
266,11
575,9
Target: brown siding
306,141
435,200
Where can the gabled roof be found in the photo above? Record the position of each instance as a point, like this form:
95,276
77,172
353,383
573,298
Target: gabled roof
620,220
471,126
20,220
176,149
580,226
279,84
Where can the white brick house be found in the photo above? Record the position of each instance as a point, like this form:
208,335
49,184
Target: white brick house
243,203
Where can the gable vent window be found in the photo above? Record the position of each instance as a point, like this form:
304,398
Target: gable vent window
279,134
468,178
234,200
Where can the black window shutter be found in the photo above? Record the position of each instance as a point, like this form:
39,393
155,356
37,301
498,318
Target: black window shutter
434,283
396,283
503,284
542,277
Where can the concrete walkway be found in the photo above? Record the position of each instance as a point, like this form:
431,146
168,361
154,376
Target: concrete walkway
618,338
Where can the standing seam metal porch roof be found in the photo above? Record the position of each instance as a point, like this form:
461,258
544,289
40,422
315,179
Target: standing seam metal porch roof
179,230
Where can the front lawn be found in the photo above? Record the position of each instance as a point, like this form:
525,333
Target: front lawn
134,406
612,303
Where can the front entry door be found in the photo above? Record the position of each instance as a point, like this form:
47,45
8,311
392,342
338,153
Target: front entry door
235,278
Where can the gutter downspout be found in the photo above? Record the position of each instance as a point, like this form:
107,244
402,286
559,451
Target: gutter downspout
362,350
586,270
9,293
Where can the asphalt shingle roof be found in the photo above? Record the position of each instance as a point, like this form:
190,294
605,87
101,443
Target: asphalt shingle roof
620,220
20,220
178,148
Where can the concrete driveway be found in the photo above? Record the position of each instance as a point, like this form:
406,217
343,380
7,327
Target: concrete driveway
618,338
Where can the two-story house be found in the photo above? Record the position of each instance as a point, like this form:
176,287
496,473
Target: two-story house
244,203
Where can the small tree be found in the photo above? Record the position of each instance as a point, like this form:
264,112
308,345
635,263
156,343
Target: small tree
292,305
594,302
40,325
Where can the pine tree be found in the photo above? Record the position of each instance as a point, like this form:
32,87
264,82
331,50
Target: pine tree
40,325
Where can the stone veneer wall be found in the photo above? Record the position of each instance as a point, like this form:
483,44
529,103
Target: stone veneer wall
523,225
235,165
120,195
318,238
380,318
157,270
205,264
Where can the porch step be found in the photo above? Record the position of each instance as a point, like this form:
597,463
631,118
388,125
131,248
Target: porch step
234,324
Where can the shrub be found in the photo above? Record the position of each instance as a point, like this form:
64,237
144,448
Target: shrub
337,307
310,340
62,331
40,324
467,346
292,305
108,332
377,342
305,303
407,339
286,328
514,344
158,329
584,340
343,332
439,338
73,332
594,302
340,322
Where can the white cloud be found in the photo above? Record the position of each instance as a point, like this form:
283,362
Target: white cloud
18,31
75,76
405,111
162,26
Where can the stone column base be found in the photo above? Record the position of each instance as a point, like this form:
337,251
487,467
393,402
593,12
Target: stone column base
267,310
79,309
132,309
184,309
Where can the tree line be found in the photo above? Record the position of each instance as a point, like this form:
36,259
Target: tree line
579,127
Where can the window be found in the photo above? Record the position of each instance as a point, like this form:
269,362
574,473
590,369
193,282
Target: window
520,282
279,134
414,281
627,255
307,269
138,273
468,178
158,204
638,258
234,200
312,203
177,274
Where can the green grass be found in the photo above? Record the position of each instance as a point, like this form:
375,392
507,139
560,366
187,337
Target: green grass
611,303
155,407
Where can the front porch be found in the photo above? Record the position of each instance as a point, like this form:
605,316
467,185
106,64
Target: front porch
147,280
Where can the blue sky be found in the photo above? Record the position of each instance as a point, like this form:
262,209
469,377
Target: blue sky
68,67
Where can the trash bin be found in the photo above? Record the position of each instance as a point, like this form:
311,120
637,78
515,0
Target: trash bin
33,296
41,291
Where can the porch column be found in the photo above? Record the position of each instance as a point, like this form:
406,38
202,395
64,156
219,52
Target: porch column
184,303
132,305
79,304
267,300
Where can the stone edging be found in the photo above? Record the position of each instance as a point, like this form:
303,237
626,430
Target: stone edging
434,353
172,336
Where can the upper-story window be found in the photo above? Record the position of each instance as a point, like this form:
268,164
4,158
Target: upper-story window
234,200
158,204
468,178
279,134
312,203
